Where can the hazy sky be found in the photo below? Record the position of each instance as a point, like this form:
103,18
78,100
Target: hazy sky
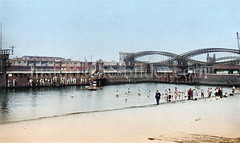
103,28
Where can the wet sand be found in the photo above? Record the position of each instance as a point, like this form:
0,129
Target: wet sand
206,120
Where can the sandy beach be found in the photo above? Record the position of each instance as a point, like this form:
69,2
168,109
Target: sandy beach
205,120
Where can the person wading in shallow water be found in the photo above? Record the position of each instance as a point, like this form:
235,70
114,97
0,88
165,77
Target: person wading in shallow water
157,96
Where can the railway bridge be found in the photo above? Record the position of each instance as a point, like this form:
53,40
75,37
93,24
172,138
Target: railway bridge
185,59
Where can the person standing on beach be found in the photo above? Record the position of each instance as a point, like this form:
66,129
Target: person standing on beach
157,96
176,94
196,91
202,93
169,95
166,95
216,91
209,92
233,90
190,94
180,95
220,93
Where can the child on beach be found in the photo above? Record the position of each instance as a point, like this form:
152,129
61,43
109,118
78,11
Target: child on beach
163,97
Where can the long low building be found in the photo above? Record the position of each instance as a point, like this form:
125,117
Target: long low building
46,71
47,63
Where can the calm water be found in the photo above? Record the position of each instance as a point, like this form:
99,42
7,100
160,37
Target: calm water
24,104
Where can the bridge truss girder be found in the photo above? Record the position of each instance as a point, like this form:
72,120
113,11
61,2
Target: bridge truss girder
182,59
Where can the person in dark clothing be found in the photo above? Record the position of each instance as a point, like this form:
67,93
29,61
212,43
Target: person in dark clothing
157,96
169,95
190,94
220,93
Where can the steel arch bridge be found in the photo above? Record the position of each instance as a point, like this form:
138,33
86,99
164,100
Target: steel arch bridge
227,58
208,50
185,58
132,56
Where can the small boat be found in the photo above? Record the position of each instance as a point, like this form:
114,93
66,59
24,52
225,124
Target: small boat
95,82
93,88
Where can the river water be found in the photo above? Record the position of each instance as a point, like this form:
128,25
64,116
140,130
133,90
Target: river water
26,103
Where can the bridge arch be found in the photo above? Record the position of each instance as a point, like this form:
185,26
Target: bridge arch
227,58
208,50
133,56
182,57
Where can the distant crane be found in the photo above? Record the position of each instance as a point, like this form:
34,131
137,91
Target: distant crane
238,41
1,38
238,47
4,60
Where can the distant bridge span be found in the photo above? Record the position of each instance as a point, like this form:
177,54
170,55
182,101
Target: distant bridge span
180,58
208,50
144,53
227,58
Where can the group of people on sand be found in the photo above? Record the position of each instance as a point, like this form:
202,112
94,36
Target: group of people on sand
191,94
178,95
170,96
